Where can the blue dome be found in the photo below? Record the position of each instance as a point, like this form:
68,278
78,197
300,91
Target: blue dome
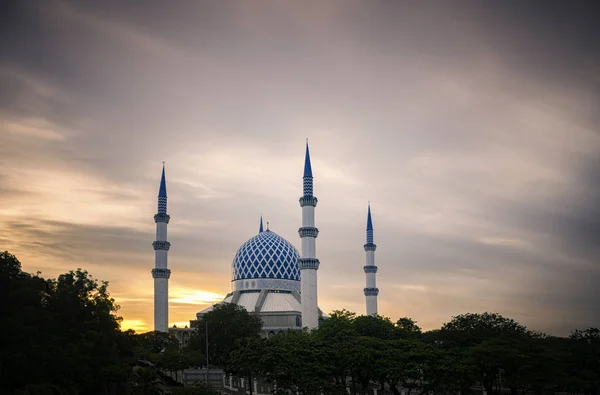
266,255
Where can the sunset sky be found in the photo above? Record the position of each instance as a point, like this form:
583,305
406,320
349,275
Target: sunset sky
471,126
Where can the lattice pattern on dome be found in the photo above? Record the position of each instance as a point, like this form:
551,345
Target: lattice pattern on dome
266,255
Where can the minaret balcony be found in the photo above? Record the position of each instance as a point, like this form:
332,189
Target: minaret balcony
161,245
308,231
308,263
160,217
371,291
370,247
370,269
161,273
308,201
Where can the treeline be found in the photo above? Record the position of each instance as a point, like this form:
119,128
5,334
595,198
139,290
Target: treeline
62,336
470,353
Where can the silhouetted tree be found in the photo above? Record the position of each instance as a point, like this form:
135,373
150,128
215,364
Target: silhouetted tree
227,323
60,335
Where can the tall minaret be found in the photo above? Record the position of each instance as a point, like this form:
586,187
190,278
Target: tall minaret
161,273
309,264
371,291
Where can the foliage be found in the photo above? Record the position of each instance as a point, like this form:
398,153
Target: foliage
472,349
227,323
246,359
406,327
297,361
585,344
378,327
145,381
62,336
470,329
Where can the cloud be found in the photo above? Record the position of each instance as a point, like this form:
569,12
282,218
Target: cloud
471,128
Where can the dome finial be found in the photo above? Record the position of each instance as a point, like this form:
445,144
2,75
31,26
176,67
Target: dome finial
267,225
260,228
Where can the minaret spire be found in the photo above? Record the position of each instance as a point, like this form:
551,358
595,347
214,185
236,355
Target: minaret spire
371,291
260,228
309,264
161,273
162,193
369,225
308,177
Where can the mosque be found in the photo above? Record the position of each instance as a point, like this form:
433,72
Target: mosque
270,277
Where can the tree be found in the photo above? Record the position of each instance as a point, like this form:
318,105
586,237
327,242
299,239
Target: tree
482,337
246,360
444,370
60,335
193,358
336,334
227,322
21,321
407,327
361,356
374,326
471,329
585,359
340,324
154,342
298,362
145,381
403,364
151,345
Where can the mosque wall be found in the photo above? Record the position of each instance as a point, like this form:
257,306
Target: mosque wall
281,321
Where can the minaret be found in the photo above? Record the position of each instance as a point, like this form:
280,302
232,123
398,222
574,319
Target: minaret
371,291
161,273
309,264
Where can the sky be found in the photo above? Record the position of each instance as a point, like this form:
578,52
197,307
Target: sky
471,126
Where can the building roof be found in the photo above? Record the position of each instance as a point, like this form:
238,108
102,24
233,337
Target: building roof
266,256
275,302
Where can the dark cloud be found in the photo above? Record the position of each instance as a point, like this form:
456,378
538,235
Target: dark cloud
113,246
470,125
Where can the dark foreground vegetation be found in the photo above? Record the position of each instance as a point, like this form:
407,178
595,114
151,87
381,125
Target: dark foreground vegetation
62,336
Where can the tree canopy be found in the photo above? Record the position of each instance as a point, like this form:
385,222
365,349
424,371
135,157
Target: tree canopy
471,350
62,336
227,324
